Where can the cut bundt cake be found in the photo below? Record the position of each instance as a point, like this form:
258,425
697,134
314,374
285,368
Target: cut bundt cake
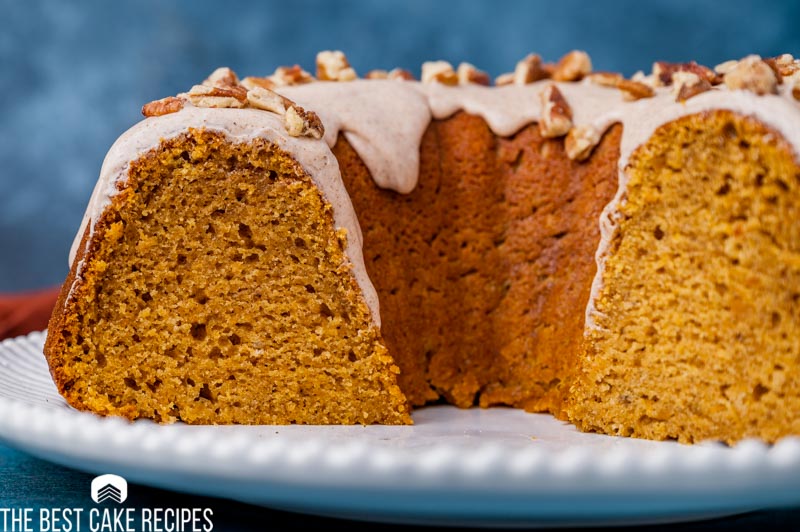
622,253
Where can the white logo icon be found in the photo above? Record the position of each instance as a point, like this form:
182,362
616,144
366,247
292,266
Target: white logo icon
109,488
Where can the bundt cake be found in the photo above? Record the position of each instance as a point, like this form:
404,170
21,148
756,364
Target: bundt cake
622,253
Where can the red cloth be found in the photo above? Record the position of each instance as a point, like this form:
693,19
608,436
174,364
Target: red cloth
26,312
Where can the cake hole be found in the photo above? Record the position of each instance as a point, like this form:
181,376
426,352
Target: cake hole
724,189
782,185
351,356
234,339
131,383
759,391
759,180
198,331
310,289
190,381
240,194
153,386
325,310
215,353
245,232
136,338
253,257
776,319
658,233
205,393
318,351
146,297
560,235
299,242
181,259
100,360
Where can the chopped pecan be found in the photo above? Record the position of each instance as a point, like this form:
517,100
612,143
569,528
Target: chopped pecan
529,69
663,71
631,90
268,100
504,79
580,141
395,73
785,64
725,67
467,74
293,75
439,72
222,77
401,74
556,118
205,96
753,74
605,79
332,65
302,123
573,66
164,106
686,85
250,81
635,90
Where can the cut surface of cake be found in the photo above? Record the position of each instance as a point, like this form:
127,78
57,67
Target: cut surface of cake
622,253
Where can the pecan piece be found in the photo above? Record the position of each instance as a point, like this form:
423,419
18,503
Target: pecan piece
556,119
164,106
631,90
205,96
222,77
467,74
753,74
686,85
572,67
267,100
663,72
250,81
377,74
504,79
332,65
302,123
580,141
439,72
293,75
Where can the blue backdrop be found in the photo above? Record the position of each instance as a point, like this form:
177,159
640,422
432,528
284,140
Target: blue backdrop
73,75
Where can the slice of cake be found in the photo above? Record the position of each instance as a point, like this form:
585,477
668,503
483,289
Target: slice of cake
622,253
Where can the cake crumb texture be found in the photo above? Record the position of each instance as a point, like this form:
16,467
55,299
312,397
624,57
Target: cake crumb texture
697,317
216,290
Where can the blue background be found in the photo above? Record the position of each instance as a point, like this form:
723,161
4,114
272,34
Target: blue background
73,75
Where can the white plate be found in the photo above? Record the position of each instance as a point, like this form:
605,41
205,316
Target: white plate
497,466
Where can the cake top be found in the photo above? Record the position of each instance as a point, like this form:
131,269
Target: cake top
385,115
223,88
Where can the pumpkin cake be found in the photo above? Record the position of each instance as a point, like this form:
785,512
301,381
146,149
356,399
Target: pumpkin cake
622,253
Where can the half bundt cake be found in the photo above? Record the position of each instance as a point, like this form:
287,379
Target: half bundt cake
622,253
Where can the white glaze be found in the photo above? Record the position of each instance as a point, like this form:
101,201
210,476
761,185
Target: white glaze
384,121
